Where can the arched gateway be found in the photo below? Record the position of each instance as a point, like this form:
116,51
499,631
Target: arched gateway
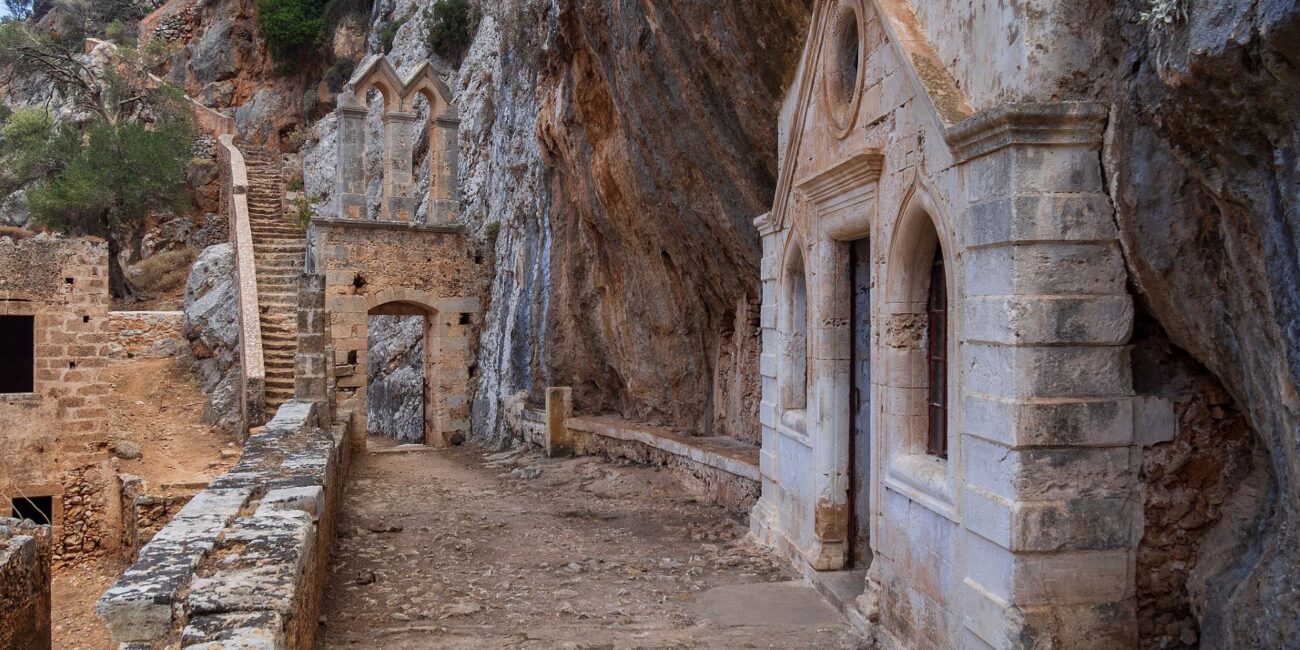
399,263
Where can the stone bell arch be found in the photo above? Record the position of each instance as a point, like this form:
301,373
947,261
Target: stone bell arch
401,126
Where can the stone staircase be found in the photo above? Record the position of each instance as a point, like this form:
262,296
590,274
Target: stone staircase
279,250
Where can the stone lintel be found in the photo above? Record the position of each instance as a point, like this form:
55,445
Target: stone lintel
843,181
1027,124
447,229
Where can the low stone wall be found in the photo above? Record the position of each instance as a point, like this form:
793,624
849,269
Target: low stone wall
145,334
143,514
719,469
243,563
24,585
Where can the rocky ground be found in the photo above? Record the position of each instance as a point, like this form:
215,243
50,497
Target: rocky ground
467,548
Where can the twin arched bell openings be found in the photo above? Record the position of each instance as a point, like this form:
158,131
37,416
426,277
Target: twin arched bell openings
399,199
843,61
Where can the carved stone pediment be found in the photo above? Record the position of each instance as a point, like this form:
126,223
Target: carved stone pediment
844,194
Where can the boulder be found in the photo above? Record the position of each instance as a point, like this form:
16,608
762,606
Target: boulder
211,325
14,210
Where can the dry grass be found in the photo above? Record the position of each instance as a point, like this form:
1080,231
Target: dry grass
15,232
163,273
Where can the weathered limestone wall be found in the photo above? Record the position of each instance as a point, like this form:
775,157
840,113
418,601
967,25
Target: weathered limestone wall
25,573
1201,161
378,268
145,334
243,562
54,440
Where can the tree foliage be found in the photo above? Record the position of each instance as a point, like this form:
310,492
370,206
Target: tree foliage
291,26
451,25
120,157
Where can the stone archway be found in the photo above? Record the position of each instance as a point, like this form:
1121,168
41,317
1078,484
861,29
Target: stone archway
403,303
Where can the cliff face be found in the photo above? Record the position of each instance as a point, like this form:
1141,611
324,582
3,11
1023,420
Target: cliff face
631,273
1202,161
658,129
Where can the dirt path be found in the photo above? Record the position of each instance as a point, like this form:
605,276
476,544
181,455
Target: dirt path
157,404
467,549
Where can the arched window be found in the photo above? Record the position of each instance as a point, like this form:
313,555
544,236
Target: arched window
794,334
936,441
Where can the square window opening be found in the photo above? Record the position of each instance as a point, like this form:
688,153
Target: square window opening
37,509
17,354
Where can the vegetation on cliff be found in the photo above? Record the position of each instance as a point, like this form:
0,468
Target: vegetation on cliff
122,157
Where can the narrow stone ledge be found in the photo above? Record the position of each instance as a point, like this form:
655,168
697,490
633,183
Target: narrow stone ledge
717,452
448,229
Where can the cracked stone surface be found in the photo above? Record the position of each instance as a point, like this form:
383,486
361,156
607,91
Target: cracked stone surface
458,549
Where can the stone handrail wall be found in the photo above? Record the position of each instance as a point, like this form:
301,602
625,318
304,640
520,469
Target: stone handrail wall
242,565
717,468
209,121
234,191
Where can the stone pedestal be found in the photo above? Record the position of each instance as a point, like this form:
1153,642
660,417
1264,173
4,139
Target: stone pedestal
559,408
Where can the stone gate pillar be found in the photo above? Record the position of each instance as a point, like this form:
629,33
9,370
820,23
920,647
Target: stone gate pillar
399,147
444,192
350,169
1051,516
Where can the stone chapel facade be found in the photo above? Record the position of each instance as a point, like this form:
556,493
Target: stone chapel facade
947,400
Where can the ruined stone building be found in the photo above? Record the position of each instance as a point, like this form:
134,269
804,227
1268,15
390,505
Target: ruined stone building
54,452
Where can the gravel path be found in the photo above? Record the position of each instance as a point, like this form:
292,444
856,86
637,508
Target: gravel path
464,548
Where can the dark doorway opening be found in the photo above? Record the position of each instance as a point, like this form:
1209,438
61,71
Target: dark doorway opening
396,382
17,354
860,406
38,509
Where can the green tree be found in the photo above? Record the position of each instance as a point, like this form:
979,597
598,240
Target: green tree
451,25
291,26
104,174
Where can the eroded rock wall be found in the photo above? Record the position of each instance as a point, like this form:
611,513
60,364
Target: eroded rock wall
395,394
1202,163
658,129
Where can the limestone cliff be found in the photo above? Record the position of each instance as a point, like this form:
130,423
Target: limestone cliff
613,158
1202,162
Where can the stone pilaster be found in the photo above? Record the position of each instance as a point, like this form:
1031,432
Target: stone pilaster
763,517
1050,516
350,171
444,185
309,364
